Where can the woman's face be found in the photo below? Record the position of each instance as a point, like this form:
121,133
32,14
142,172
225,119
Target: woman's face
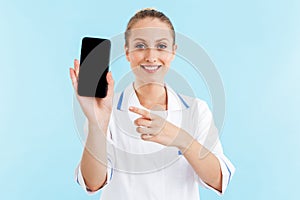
150,50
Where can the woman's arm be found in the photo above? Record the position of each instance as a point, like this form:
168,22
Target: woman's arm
205,163
93,163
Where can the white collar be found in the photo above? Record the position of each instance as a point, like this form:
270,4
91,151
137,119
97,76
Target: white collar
129,98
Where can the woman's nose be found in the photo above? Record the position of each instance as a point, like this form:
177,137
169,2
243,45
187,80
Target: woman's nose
151,55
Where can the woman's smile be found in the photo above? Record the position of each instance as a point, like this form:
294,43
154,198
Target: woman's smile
151,68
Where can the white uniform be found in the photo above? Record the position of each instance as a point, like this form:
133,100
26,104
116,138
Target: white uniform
144,170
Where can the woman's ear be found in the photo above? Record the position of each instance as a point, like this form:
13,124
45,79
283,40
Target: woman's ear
174,48
174,51
126,53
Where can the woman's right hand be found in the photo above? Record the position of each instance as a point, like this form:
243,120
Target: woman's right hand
95,109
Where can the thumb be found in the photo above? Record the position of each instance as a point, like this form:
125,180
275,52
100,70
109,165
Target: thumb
110,81
147,137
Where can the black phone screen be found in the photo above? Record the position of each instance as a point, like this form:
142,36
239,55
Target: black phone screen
94,63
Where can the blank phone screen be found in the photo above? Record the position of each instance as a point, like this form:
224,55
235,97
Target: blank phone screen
94,63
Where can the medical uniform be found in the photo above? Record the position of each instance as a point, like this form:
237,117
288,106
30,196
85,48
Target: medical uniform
139,169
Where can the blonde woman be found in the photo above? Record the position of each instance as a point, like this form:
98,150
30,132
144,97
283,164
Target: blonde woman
183,161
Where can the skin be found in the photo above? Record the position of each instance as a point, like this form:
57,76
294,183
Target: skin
93,168
145,49
142,51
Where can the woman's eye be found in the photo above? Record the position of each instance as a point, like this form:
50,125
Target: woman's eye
140,46
161,46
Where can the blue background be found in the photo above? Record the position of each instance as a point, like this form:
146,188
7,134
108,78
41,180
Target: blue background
254,44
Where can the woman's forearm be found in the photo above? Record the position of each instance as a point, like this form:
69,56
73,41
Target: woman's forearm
94,158
205,164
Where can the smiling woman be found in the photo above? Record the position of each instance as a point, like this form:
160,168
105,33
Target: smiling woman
168,159
150,51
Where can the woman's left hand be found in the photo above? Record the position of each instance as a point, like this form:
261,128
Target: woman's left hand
157,129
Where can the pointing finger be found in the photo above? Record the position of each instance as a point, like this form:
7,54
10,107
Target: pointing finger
140,111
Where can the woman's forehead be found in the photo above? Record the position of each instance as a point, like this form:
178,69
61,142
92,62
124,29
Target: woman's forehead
151,33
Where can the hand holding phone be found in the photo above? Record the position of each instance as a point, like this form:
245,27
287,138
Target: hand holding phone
93,107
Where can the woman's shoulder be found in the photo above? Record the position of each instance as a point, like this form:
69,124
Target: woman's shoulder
194,102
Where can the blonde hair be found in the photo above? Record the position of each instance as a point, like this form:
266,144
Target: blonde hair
151,13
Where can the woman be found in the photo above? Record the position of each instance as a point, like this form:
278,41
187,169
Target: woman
150,48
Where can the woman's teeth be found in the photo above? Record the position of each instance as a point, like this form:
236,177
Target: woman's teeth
151,68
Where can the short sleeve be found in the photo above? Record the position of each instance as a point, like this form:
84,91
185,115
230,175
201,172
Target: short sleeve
207,135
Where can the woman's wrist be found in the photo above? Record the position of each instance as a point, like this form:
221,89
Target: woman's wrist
183,140
96,126
100,119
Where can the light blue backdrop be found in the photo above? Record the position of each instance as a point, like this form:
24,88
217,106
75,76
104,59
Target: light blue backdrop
254,44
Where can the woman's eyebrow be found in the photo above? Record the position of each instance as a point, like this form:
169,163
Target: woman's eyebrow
155,41
162,39
139,39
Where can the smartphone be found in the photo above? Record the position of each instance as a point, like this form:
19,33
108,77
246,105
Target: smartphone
94,65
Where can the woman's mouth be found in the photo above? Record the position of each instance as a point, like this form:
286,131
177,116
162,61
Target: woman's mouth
151,68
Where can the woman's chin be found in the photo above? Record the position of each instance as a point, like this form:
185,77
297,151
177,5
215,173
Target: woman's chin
150,80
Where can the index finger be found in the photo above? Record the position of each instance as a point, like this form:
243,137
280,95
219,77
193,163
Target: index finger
140,111
76,66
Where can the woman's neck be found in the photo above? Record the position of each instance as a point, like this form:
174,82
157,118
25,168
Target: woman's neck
152,95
